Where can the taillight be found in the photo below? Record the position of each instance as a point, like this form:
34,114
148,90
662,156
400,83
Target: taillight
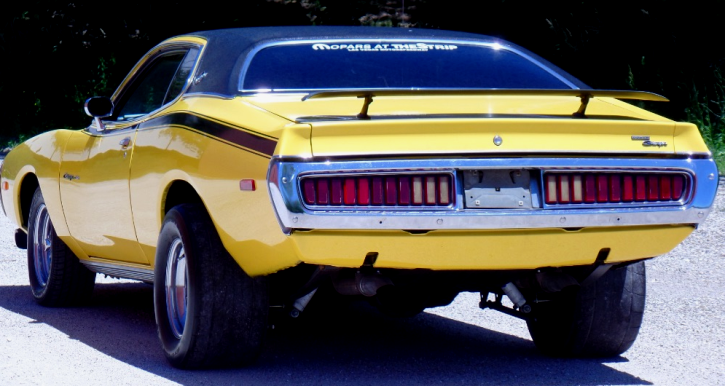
613,187
388,190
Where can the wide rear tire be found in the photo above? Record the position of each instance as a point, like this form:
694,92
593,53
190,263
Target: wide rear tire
57,277
599,320
209,312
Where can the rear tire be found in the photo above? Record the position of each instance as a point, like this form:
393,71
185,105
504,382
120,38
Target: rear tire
209,313
600,320
57,277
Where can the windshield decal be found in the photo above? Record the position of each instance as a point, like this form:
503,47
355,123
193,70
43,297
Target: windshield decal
383,47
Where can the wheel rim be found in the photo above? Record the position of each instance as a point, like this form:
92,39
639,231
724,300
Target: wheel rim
176,294
42,245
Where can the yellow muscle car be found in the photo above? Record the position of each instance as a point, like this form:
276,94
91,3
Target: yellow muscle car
247,168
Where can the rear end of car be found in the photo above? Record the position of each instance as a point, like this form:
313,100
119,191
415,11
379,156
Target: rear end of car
418,169
440,180
557,214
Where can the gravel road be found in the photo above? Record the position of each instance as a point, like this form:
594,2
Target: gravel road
113,340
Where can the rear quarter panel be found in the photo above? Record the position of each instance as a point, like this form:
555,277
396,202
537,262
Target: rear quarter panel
205,148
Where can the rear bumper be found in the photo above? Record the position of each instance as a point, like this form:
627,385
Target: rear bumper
292,214
488,249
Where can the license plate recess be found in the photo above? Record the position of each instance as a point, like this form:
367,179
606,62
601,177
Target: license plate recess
497,189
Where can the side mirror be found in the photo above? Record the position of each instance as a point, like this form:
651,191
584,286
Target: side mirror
99,107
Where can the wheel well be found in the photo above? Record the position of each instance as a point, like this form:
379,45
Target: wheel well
27,190
180,192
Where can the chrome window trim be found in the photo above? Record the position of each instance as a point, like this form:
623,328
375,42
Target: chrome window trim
292,214
492,45
140,67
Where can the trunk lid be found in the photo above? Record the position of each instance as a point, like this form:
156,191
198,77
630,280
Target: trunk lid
442,125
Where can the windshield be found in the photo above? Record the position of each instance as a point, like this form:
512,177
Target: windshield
394,64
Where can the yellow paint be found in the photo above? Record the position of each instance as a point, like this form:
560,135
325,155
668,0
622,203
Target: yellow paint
114,210
96,199
688,139
487,250
475,136
295,141
245,220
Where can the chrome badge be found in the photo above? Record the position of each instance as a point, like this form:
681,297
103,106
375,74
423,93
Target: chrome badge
646,141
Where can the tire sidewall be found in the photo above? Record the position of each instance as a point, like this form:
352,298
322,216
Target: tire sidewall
601,319
39,291
175,349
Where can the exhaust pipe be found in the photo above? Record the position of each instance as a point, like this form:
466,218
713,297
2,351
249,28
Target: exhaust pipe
360,284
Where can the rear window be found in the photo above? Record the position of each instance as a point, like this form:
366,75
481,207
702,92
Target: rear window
354,65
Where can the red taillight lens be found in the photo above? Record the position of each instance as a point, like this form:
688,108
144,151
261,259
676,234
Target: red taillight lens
391,191
653,188
404,189
627,188
308,191
602,188
363,191
666,187
388,190
590,188
348,189
678,186
613,187
639,187
323,192
336,191
378,190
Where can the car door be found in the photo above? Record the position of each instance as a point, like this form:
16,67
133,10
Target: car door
96,163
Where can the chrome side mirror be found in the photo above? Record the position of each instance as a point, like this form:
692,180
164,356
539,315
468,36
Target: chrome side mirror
98,107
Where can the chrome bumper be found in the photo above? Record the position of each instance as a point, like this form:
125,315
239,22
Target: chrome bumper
293,214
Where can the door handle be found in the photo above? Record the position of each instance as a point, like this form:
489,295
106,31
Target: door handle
125,142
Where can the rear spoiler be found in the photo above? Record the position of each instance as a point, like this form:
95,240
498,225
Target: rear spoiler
583,94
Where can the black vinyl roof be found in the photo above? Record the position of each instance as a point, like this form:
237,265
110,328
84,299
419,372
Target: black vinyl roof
227,49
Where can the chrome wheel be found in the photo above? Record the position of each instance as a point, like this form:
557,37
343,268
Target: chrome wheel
42,245
177,278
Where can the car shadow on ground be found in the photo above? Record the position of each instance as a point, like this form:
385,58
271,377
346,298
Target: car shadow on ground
352,345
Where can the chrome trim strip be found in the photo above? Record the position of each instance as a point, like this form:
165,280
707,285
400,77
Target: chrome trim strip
121,271
199,94
292,214
491,45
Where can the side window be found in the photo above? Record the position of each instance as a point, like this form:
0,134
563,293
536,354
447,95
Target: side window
149,92
182,75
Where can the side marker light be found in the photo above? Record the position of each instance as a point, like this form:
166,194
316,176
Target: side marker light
247,185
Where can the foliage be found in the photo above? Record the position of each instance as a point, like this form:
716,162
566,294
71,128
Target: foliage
708,113
83,49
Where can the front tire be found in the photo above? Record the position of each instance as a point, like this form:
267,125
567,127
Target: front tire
600,320
209,313
57,277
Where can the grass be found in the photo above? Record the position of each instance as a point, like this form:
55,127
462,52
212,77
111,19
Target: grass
707,111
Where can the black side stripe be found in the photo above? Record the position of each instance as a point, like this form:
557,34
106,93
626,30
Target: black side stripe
215,129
